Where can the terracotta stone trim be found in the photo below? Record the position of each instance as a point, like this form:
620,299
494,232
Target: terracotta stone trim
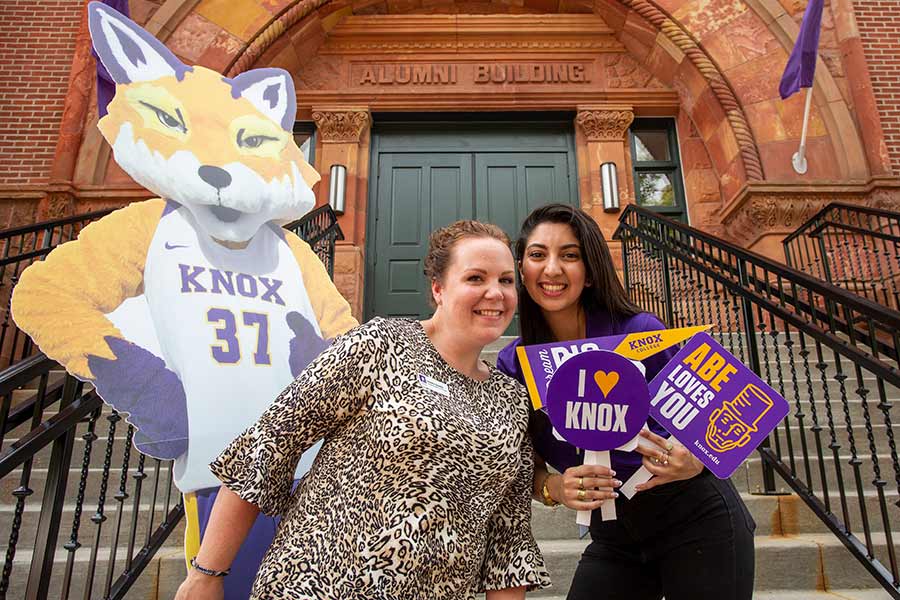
604,125
341,125
644,102
71,128
762,209
289,17
167,17
852,144
717,82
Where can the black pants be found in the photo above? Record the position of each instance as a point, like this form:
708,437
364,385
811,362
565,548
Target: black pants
688,540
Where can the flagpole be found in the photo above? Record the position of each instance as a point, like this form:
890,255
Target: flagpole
799,159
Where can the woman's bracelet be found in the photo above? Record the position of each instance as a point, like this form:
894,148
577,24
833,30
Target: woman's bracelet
209,572
546,498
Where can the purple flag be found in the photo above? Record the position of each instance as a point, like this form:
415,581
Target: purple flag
801,65
106,87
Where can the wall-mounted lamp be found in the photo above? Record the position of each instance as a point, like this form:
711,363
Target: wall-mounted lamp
337,188
609,184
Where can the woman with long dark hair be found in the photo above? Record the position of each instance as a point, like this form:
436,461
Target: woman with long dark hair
685,534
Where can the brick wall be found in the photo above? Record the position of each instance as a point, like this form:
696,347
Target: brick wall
37,42
879,30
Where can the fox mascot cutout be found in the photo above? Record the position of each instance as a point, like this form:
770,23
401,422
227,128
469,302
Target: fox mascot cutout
190,313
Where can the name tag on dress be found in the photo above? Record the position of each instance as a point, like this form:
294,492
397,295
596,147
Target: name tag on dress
429,383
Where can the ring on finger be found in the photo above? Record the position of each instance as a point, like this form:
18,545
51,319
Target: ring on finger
581,495
581,483
670,447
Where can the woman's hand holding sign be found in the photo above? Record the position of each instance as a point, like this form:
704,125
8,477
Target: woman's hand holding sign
668,461
583,487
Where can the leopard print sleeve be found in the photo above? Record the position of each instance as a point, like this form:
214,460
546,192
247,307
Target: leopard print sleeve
259,465
512,558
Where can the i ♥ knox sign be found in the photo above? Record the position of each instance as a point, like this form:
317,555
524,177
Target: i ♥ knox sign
598,400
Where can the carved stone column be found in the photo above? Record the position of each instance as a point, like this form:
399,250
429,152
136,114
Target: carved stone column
344,135
341,125
602,136
604,125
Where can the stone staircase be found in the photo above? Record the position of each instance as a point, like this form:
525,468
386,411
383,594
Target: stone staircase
797,558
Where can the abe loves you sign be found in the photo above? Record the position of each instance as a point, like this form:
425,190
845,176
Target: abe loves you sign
714,405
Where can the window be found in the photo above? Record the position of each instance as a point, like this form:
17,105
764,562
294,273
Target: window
305,137
657,167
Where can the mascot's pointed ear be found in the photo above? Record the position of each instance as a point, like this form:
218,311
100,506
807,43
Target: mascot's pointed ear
271,91
128,52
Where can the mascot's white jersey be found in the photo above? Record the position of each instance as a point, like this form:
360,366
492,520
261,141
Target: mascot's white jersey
218,328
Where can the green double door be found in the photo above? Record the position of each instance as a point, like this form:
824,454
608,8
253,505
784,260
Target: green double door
424,178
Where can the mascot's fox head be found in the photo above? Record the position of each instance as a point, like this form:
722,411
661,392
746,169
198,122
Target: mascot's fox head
221,147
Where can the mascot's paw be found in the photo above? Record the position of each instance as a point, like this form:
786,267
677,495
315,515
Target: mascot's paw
138,383
306,343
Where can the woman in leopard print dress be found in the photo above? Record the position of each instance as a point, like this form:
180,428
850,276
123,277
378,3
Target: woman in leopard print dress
422,487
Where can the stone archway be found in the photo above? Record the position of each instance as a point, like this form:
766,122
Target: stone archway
645,28
722,58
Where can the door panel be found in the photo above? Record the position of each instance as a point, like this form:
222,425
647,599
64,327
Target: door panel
431,177
416,194
510,185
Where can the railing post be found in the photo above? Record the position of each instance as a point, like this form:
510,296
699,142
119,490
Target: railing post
826,269
626,279
667,281
45,541
768,473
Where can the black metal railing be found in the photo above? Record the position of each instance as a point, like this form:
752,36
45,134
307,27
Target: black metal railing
320,229
19,247
854,247
63,452
74,455
828,351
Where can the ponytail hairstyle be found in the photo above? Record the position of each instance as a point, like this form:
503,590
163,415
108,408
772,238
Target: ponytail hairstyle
605,292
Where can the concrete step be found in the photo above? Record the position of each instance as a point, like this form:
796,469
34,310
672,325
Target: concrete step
835,394
93,482
858,431
863,594
87,532
159,581
799,563
774,515
788,568
754,471
98,449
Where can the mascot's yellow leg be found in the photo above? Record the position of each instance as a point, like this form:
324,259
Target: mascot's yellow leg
192,530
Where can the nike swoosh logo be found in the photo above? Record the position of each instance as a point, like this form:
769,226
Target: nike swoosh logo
174,246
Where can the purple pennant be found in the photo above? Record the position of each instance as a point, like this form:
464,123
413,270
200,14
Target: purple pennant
801,65
106,87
